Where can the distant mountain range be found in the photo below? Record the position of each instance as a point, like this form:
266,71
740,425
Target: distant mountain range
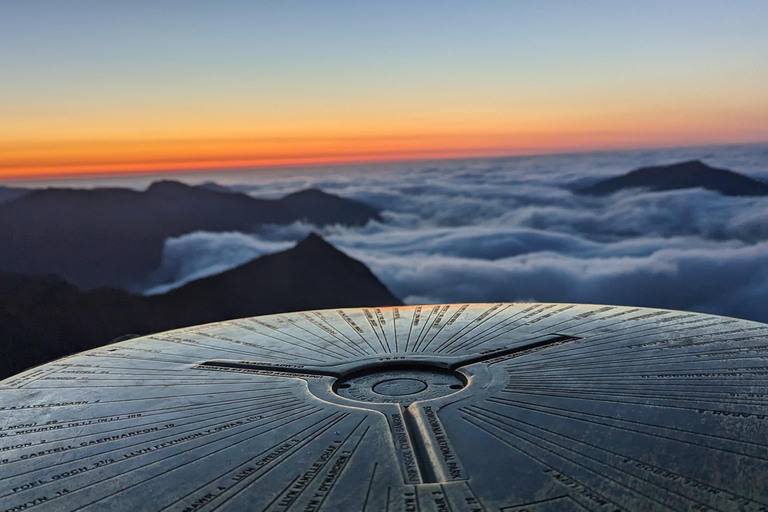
115,236
682,175
45,317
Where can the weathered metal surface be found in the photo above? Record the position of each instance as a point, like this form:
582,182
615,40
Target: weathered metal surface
513,407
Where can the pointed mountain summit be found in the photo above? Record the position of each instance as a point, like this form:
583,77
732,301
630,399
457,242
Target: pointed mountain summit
297,279
115,236
43,317
691,174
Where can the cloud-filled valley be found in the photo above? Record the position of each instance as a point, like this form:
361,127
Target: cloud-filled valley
513,229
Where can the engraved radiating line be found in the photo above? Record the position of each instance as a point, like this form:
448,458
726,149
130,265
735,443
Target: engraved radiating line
473,324
175,467
302,341
365,340
250,390
382,323
395,312
424,328
370,484
372,324
602,381
297,411
194,344
415,311
446,308
720,373
113,354
474,495
172,455
253,330
346,465
482,414
322,324
319,349
144,414
349,342
548,500
334,419
676,358
628,369
627,336
248,484
537,459
542,409
281,492
440,309
683,386
642,328
593,314
579,392
489,413
445,496
378,316
591,353
510,323
209,382
503,328
197,414
319,470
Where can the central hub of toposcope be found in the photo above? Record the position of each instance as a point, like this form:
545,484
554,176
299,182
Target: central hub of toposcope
401,385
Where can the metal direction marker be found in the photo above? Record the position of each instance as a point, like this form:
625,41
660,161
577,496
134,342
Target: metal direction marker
456,407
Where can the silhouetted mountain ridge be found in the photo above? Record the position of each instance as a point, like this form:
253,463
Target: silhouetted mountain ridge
43,317
690,174
115,236
11,193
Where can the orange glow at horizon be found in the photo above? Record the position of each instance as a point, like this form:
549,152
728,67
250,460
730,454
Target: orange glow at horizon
129,143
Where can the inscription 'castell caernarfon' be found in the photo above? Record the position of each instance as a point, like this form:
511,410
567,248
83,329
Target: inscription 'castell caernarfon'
449,407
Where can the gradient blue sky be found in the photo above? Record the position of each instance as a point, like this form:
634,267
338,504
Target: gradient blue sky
91,86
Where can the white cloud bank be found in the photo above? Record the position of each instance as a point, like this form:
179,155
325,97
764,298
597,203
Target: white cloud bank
511,229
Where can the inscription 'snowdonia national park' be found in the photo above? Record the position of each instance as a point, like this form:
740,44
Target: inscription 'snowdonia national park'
457,407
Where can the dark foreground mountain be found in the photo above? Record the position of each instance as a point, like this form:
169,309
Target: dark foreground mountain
682,175
114,237
45,317
11,193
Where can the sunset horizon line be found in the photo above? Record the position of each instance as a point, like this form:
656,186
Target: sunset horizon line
123,170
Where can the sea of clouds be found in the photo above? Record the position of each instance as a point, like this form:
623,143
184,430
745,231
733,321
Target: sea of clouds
509,229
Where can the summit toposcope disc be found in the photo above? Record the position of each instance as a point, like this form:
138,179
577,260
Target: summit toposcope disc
456,407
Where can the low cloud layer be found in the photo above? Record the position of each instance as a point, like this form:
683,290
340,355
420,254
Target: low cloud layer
512,229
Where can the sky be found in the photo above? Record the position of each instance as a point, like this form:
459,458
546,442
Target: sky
94,87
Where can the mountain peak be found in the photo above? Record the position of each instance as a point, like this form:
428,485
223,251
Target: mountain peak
167,186
681,175
314,241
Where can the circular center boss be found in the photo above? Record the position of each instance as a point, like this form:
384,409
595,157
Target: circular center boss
399,385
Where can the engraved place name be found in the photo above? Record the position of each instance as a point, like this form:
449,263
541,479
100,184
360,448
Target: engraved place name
328,481
44,405
576,488
305,479
350,322
453,469
551,314
404,448
256,371
457,314
733,414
